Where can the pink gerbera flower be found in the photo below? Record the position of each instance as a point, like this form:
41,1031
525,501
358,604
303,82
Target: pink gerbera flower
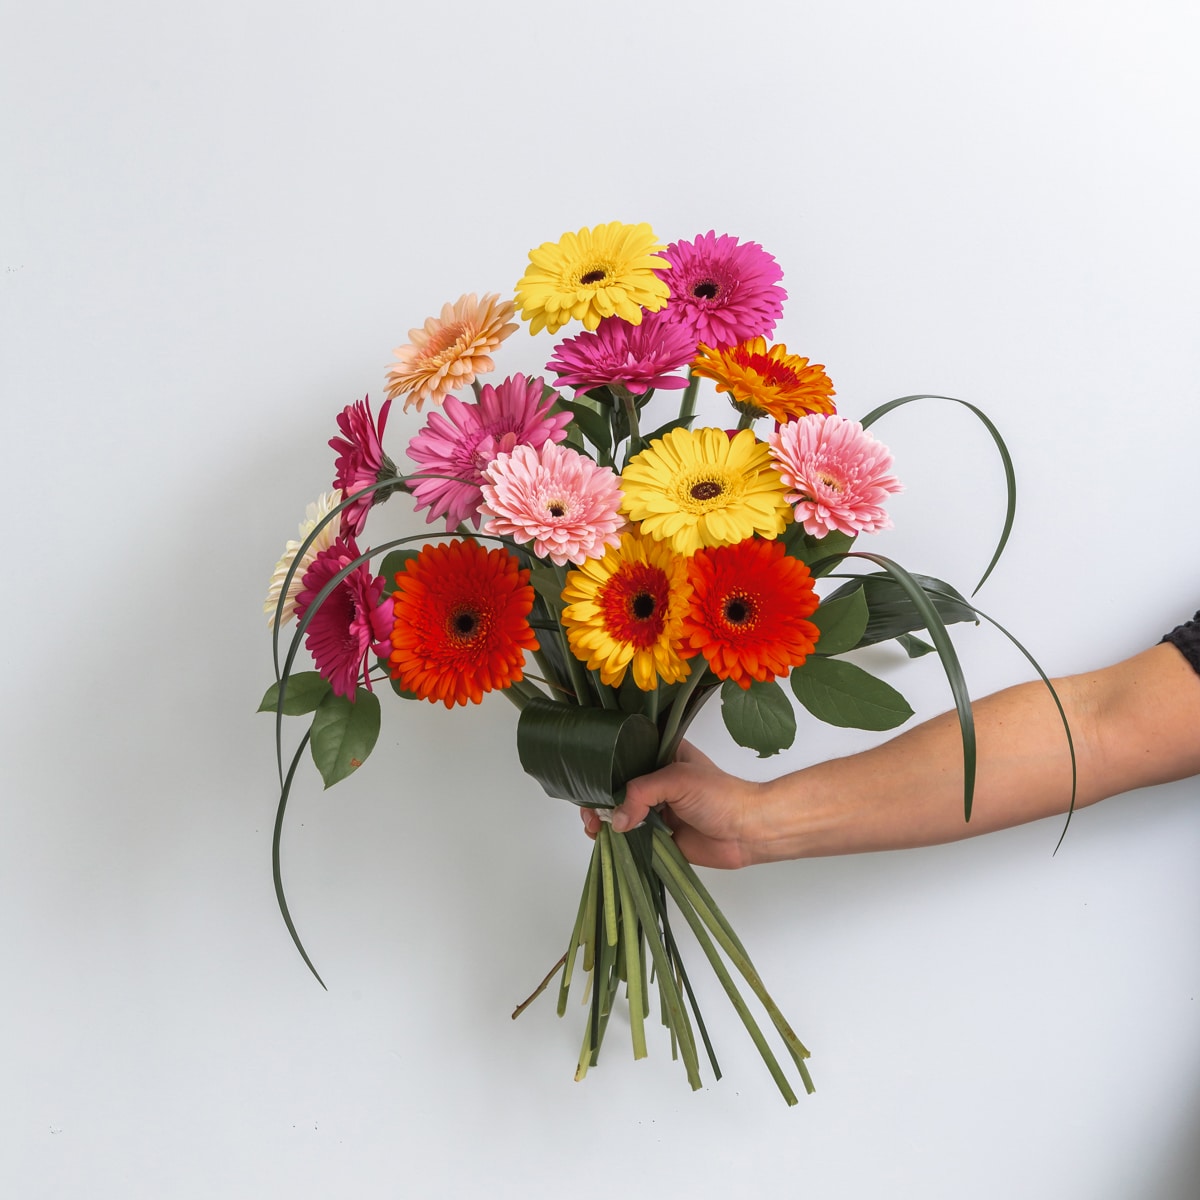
723,292
459,442
838,473
361,461
638,357
351,622
555,497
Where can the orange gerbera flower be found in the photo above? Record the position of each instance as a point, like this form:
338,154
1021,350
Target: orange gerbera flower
766,382
747,610
451,349
460,622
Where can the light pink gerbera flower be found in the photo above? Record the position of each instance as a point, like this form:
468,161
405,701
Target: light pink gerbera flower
361,461
458,445
638,357
723,292
838,473
450,350
555,497
351,622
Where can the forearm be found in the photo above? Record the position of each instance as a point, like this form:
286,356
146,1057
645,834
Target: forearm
1133,724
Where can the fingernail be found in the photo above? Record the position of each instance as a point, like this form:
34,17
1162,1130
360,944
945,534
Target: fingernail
620,822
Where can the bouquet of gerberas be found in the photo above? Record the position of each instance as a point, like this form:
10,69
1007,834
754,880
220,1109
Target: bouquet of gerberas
642,570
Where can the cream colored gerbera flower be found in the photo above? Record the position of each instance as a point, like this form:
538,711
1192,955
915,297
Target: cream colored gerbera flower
313,516
451,349
593,274
701,487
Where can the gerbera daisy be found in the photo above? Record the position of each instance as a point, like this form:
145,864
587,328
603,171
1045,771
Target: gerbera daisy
747,610
555,497
837,472
314,515
638,357
595,273
701,487
354,620
451,349
624,612
767,382
461,443
460,622
361,461
723,291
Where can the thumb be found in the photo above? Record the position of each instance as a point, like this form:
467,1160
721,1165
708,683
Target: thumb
646,792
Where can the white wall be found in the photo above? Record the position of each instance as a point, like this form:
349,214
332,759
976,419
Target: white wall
216,221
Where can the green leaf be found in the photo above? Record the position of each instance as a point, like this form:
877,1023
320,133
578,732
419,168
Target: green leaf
759,717
839,693
393,564
593,426
548,585
585,755
914,646
809,549
893,611
663,430
304,691
841,622
344,733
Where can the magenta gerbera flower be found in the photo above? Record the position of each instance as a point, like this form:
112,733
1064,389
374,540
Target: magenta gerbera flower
361,461
460,441
838,473
554,497
351,622
638,357
722,291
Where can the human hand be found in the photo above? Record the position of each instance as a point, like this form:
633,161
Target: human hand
707,809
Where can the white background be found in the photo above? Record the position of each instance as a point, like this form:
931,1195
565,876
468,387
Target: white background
216,221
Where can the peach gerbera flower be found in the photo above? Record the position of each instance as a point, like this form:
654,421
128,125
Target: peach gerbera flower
451,349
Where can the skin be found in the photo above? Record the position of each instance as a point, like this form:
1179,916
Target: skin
1134,724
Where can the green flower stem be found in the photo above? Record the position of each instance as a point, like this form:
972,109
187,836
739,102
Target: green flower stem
668,861
635,990
671,732
735,997
668,989
576,669
558,689
589,912
573,946
687,404
607,884
608,697
746,421
631,413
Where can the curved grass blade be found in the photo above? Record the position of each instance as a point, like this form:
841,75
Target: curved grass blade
1010,478
950,664
1033,662
276,873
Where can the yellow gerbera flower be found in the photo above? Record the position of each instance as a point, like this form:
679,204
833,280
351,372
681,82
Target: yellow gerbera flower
701,487
592,274
766,382
625,611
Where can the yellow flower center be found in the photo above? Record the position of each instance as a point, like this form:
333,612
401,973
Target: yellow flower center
830,482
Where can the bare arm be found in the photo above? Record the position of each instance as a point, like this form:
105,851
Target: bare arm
1134,724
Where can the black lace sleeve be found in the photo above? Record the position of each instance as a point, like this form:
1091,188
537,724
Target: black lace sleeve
1186,639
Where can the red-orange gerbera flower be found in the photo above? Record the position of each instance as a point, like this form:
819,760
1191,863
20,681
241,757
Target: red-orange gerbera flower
747,610
782,385
460,622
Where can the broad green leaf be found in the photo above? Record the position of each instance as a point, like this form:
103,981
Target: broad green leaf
759,717
914,646
344,733
841,622
663,430
893,611
393,564
547,584
593,426
585,755
839,693
809,549
304,691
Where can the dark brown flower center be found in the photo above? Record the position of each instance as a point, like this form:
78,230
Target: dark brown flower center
738,611
706,289
556,508
643,606
464,623
706,489
593,276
